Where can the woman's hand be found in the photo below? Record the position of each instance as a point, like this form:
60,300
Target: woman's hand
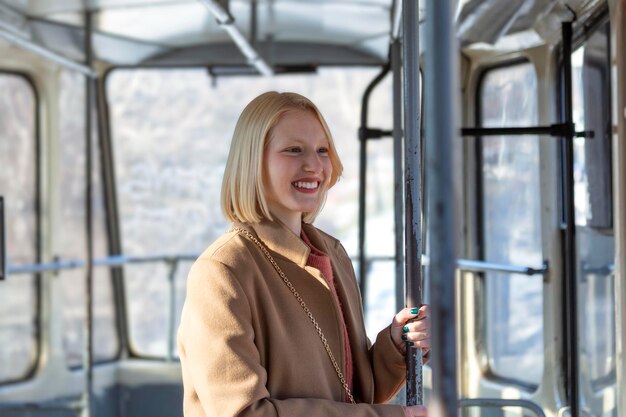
415,411
411,327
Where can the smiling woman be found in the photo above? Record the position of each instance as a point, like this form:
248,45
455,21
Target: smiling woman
275,289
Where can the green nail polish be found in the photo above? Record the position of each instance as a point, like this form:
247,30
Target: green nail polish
415,311
410,343
405,329
404,337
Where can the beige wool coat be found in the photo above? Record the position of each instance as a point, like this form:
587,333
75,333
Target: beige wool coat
248,349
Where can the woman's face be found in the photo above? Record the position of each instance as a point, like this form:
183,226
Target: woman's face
297,166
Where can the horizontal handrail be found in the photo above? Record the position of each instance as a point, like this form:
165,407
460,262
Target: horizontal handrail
500,403
45,53
119,260
375,258
470,265
481,266
608,269
555,130
115,260
30,407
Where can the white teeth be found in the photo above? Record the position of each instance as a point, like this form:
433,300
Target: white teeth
308,185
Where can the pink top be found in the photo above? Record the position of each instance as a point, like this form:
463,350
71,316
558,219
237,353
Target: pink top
320,261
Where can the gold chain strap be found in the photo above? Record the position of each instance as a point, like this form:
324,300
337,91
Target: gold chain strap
295,293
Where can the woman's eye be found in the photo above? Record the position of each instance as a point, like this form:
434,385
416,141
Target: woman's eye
322,150
294,149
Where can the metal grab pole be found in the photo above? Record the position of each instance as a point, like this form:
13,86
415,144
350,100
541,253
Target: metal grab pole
569,247
363,138
227,22
442,130
3,262
45,53
398,207
413,188
88,327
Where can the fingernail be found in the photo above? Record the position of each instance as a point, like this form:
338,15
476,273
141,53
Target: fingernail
404,337
405,329
415,311
410,343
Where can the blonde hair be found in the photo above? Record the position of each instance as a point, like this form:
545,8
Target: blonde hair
243,191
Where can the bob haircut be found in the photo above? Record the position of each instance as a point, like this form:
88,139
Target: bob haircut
243,190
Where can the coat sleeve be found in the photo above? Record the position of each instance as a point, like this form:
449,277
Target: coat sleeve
388,366
221,366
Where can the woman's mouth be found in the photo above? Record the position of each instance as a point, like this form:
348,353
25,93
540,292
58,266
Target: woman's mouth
306,186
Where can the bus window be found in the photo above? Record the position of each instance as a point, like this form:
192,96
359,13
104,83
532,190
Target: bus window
18,185
595,247
379,300
170,139
171,132
71,232
511,225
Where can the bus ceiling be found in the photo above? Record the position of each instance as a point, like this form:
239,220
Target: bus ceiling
268,35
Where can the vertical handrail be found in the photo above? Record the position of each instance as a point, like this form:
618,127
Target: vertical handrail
88,324
570,301
413,188
363,138
619,189
398,177
3,257
111,213
441,124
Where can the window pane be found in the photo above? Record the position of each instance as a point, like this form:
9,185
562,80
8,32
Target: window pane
511,221
592,112
18,299
595,243
381,297
172,131
71,238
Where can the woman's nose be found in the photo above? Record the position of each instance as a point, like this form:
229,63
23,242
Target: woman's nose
313,163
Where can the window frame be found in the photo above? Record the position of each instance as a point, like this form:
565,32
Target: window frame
31,371
480,335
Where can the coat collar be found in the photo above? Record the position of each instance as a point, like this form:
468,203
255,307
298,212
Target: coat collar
279,239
